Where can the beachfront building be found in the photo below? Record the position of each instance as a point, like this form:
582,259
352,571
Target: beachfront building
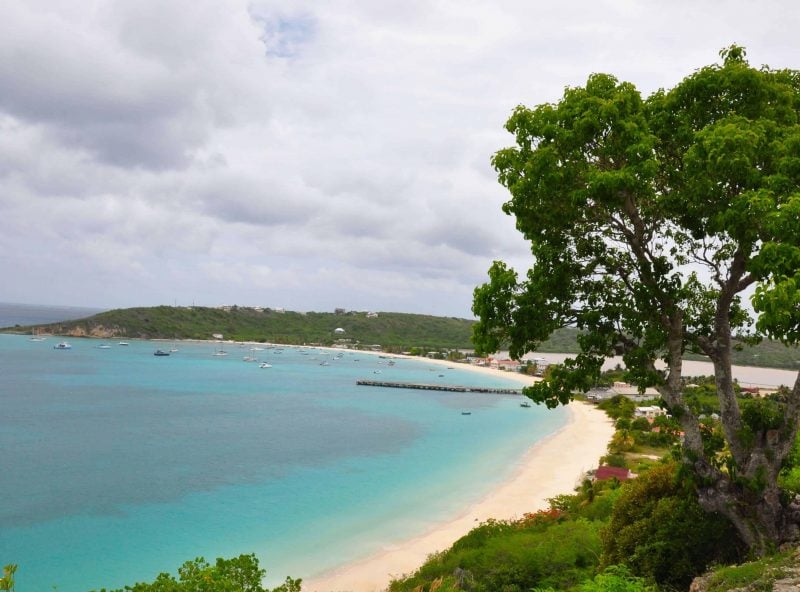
507,365
478,361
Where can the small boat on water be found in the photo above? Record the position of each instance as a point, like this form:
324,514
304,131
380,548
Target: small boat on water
62,345
160,352
466,413
525,404
264,365
103,346
123,343
36,337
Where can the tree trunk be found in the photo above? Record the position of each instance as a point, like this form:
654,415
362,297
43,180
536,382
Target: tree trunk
762,521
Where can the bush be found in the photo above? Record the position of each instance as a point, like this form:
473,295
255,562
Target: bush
659,530
516,556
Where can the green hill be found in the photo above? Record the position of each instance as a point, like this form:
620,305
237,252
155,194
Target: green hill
394,331
391,330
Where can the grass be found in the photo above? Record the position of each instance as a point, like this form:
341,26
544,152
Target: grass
755,575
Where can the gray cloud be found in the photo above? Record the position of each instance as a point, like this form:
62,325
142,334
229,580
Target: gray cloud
327,155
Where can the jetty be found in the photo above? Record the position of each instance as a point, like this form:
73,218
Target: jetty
440,387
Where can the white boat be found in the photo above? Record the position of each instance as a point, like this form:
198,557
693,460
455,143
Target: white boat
103,346
123,343
62,345
249,359
264,365
35,336
220,352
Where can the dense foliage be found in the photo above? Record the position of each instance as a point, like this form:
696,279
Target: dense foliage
659,530
542,550
648,220
238,574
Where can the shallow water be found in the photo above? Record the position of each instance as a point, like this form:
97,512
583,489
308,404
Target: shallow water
118,464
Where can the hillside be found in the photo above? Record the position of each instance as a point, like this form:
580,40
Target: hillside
392,330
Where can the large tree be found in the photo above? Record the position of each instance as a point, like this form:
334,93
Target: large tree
649,219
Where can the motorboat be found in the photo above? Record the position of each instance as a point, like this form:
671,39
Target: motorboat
62,345
160,352
264,365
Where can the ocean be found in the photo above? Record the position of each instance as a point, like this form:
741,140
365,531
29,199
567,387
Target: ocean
12,315
118,465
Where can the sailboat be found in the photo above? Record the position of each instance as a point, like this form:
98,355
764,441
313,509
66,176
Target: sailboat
35,336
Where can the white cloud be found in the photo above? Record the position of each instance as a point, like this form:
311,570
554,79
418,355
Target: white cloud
301,155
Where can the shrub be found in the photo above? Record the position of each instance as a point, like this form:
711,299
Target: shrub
659,530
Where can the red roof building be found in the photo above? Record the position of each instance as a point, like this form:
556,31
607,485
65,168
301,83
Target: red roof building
604,472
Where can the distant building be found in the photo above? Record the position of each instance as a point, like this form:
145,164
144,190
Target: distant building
478,361
339,311
605,472
650,412
372,315
217,336
508,365
601,393
339,331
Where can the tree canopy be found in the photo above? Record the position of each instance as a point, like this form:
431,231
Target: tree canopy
649,220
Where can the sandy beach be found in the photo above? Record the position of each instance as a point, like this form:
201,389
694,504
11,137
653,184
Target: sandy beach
550,467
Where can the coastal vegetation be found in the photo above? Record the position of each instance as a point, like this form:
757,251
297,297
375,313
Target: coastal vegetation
649,219
394,332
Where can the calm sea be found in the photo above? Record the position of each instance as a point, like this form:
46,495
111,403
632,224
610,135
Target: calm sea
117,465
37,314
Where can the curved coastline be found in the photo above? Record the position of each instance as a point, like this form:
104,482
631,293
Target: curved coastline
550,467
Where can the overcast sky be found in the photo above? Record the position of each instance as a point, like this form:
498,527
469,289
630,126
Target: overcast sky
305,155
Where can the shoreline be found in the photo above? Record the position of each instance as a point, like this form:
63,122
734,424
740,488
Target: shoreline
548,468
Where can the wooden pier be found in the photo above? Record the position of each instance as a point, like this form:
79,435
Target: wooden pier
441,387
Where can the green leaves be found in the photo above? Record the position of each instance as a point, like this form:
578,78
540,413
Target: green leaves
238,574
645,216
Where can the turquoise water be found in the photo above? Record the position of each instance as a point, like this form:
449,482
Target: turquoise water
118,465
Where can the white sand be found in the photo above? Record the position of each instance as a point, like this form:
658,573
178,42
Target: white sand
550,467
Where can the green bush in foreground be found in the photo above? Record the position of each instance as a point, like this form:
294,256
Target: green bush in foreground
659,530
514,557
239,574
616,578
